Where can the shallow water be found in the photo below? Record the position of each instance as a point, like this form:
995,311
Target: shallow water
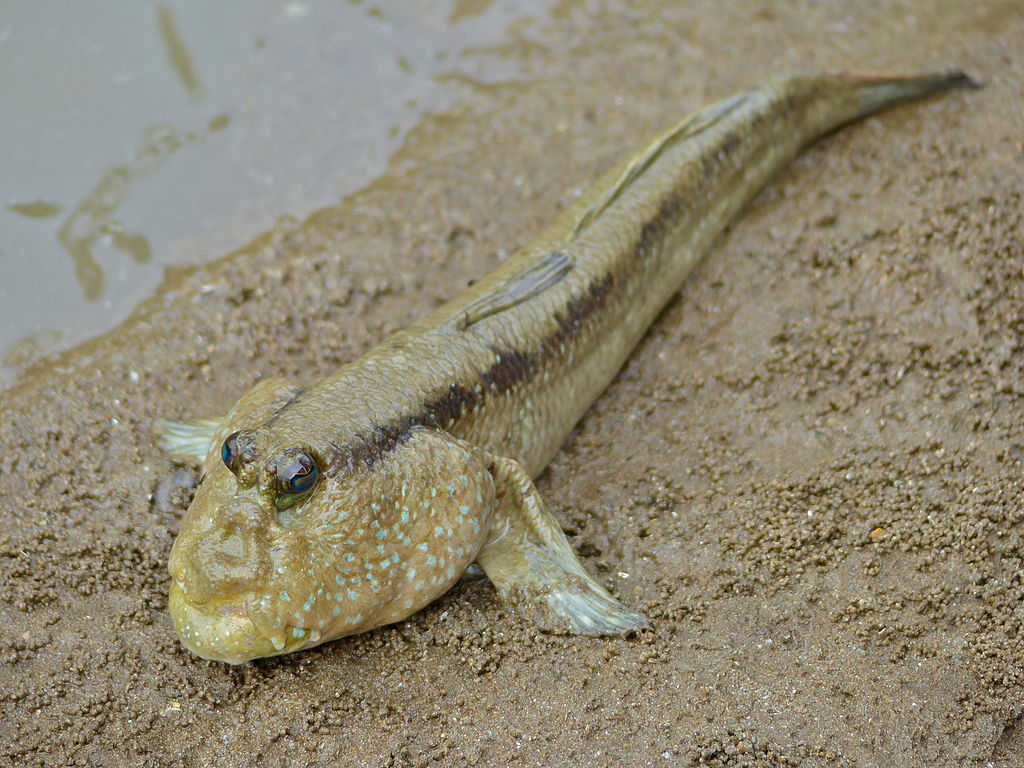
151,135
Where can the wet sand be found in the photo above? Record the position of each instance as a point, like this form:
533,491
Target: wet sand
808,475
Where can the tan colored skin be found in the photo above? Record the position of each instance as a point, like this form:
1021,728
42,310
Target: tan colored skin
425,447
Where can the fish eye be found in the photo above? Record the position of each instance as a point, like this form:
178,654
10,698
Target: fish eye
303,478
238,451
231,452
227,449
296,474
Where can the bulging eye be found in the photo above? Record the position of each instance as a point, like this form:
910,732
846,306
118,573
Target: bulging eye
238,452
227,449
233,450
303,479
296,475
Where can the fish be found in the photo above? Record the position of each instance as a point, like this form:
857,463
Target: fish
349,504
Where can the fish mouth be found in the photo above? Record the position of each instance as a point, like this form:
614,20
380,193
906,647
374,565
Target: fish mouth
221,630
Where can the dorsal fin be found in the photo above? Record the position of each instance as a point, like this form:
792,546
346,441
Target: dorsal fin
688,127
522,286
545,273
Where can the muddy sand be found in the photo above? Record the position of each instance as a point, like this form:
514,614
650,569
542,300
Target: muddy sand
808,476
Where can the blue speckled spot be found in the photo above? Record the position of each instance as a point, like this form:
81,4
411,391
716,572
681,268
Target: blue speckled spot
431,560
285,596
298,632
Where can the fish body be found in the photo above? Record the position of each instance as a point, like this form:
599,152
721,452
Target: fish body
329,510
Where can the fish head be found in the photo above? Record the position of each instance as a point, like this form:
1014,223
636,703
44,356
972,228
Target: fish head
285,546
234,549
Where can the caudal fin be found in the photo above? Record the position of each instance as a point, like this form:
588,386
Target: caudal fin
879,92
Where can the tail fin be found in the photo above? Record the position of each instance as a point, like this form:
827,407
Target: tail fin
879,92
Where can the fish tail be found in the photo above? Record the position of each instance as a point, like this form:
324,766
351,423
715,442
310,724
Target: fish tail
876,92
819,104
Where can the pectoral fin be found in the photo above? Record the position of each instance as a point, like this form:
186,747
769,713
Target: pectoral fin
188,439
196,438
530,562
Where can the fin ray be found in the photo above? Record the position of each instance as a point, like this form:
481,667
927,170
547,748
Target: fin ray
690,126
189,438
531,562
529,282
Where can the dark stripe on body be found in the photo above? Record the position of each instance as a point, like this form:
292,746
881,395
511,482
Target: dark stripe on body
512,367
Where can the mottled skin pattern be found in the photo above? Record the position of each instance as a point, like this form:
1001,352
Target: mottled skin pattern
424,449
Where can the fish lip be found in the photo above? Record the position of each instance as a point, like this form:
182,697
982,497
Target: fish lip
218,630
244,642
